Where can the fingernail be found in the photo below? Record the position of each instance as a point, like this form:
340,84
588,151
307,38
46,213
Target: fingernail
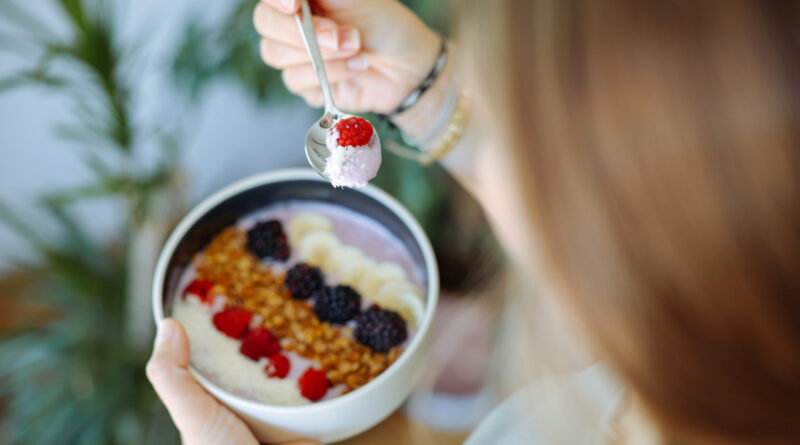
288,5
358,63
321,24
329,38
351,39
166,331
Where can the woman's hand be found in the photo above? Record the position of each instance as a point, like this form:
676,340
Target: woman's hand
200,418
376,51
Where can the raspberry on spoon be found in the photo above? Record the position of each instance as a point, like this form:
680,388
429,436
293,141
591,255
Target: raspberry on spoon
353,131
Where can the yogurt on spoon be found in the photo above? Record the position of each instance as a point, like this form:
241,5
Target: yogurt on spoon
355,153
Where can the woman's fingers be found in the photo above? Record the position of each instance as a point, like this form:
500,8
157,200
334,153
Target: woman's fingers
284,6
313,97
281,55
303,77
276,25
187,402
346,93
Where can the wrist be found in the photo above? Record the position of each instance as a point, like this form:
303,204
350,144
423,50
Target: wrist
419,120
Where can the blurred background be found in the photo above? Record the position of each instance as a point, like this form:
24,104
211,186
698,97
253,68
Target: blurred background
115,118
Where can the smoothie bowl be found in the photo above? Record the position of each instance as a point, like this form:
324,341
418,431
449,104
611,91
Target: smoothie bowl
308,308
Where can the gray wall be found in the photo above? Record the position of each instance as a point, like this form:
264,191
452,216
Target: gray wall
226,132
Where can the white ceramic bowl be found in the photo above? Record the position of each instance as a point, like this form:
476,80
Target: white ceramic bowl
346,415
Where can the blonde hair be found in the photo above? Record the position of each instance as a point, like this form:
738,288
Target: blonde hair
657,149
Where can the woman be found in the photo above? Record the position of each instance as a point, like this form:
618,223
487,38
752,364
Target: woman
641,163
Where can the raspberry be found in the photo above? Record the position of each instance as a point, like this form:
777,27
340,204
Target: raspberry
267,240
259,343
380,329
232,321
278,366
353,131
313,384
337,304
303,280
202,289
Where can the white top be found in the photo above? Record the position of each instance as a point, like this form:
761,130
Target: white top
575,409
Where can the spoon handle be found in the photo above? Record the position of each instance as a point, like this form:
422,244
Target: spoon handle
306,26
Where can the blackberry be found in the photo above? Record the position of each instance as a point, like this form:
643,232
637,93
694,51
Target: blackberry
303,280
337,304
267,240
380,329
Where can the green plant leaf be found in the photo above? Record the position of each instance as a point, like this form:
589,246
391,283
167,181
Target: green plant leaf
10,220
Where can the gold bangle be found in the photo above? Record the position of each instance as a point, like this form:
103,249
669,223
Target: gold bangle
452,134
444,143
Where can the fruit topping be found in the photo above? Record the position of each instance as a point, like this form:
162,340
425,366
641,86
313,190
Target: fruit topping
265,290
409,305
380,329
267,240
343,254
278,366
370,284
303,280
353,131
305,223
259,343
351,272
232,321
337,304
317,245
313,384
202,289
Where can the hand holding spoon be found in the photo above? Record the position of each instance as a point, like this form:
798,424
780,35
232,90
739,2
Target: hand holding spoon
358,161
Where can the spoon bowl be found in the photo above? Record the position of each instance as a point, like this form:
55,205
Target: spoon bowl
317,151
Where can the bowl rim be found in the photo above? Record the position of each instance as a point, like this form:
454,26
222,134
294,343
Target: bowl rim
303,174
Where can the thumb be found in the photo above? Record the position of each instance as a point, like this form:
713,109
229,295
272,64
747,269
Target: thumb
198,416
285,6
187,402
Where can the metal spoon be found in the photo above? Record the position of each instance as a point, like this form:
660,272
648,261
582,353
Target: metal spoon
316,150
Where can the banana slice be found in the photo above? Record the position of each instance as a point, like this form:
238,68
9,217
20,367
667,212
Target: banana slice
307,222
342,255
389,271
350,272
370,284
408,305
391,289
402,297
315,247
